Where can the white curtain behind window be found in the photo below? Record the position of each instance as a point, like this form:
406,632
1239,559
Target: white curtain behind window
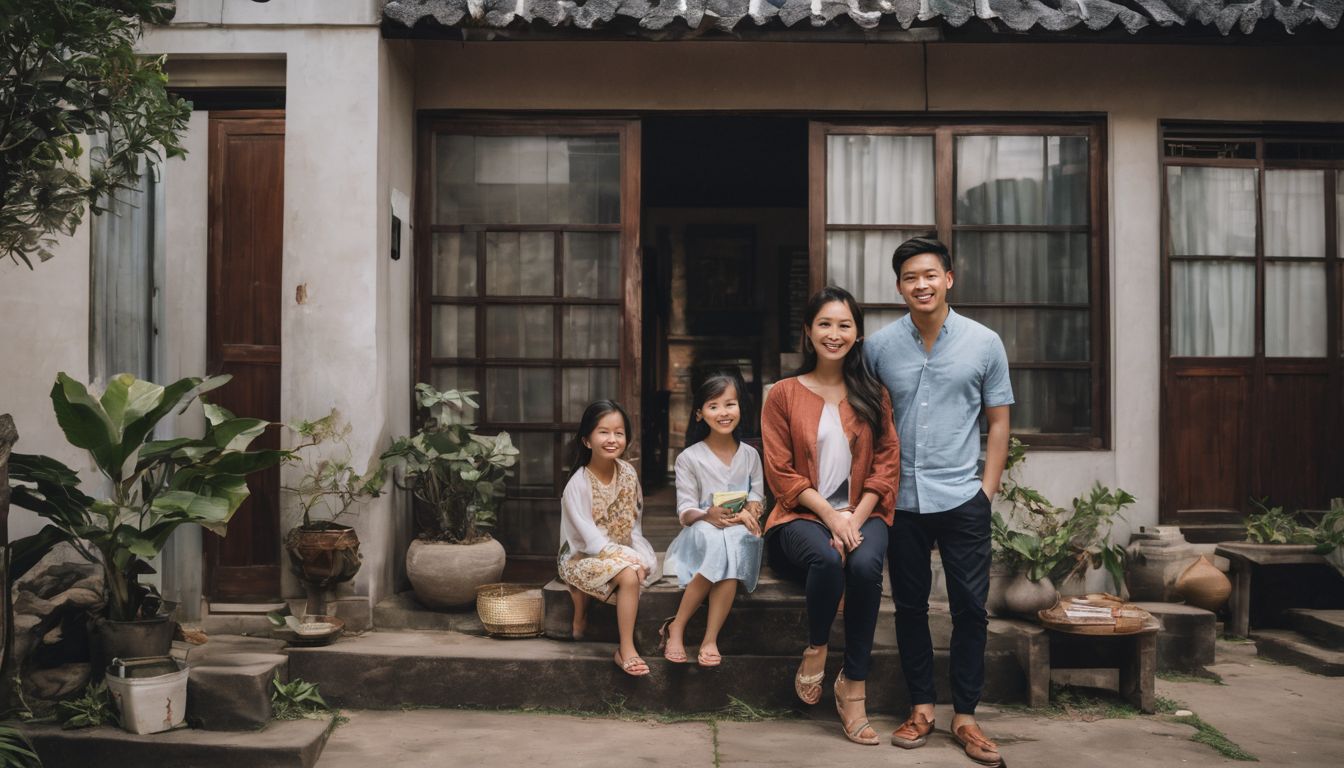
1295,311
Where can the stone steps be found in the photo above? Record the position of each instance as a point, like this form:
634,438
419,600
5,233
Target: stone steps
1290,647
392,669
281,744
1325,627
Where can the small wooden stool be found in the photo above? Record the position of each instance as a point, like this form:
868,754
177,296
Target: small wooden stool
1134,655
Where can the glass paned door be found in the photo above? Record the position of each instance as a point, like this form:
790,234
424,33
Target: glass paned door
531,244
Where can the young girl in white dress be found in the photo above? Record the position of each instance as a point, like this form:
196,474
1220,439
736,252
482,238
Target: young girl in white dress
717,547
603,552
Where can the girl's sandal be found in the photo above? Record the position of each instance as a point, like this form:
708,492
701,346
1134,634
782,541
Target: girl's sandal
708,659
676,657
808,687
853,729
630,663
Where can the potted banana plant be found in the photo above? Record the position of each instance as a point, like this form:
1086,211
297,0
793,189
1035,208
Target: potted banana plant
153,487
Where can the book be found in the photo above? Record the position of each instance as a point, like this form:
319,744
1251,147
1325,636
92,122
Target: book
733,501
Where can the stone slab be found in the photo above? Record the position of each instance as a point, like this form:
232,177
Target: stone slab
1325,627
386,670
288,744
1292,648
233,692
1187,639
403,611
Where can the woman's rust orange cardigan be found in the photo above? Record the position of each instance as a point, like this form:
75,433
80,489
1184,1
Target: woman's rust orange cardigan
789,422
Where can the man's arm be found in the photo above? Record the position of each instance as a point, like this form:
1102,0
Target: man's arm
996,449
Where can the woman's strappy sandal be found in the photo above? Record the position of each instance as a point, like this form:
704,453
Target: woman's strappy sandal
857,726
662,644
808,687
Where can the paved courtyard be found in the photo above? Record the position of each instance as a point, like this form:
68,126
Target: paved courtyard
1280,714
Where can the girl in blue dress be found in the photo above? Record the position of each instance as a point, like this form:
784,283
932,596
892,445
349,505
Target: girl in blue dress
720,543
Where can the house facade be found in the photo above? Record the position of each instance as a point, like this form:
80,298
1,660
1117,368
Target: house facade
553,202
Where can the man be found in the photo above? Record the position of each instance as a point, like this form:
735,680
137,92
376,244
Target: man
943,372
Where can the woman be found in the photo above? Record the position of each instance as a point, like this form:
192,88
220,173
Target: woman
832,459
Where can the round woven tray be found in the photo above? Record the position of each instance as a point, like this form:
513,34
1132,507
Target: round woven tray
1129,618
510,610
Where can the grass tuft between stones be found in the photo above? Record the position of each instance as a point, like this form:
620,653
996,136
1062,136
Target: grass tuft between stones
1208,734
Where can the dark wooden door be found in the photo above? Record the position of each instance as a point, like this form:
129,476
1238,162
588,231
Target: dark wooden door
1251,395
247,159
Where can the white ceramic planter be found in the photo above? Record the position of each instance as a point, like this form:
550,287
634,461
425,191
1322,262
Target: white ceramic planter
447,575
151,704
1025,597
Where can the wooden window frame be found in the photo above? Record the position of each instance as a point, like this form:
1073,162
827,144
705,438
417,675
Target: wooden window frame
627,360
944,133
1259,365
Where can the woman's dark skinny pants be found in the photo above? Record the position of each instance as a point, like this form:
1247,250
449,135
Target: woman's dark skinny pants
801,551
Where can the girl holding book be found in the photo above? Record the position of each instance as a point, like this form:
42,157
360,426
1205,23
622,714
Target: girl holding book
603,552
720,490
832,459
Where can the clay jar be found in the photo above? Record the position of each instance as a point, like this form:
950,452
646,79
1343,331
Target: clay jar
446,575
1203,585
1025,597
1157,557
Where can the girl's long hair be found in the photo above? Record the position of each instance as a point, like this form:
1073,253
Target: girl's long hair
862,390
713,386
581,454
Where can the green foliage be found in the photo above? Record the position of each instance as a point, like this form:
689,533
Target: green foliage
1208,734
1058,543
15,751
1274,525
94,707
455,475
156,485
297,699
330,484
68,69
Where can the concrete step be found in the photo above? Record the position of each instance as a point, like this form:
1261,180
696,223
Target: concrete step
403,611
771,621
387,670
1325,627
281,744
1188,637
1292,648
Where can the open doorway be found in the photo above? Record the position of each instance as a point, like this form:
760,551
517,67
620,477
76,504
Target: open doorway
725,235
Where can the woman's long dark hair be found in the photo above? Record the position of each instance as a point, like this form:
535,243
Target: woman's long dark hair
581,454
862,390
713,386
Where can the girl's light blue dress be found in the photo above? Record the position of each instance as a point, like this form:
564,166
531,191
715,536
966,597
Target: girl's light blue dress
715,553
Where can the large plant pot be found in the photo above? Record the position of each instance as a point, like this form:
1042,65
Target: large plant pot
1000,576
1025,597
323,556
1156,558
447,575
132,639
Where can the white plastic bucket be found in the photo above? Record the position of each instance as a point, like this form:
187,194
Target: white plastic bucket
151,704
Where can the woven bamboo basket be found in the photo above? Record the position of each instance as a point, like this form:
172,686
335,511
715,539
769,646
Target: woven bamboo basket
510,610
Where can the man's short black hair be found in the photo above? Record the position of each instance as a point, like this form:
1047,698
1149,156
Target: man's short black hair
916,246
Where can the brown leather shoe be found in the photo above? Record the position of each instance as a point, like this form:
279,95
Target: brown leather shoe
914,732
978,748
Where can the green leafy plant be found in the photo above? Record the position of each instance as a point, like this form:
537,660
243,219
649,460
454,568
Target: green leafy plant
15,751
297,699
455,475
69,69
330,485
1329,533
94,707
1274,525
155,485
1058,543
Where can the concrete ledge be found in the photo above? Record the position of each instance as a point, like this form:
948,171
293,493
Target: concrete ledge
1189,634
403,611
1291,648
1325,627
288,744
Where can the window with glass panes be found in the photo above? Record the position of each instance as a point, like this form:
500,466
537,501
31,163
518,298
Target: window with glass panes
521,290
1018,207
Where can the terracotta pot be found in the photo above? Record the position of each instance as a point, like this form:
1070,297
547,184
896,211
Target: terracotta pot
1203,585
1025,597
323,556
447,575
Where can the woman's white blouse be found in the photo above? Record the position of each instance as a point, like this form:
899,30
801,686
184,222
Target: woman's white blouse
834,460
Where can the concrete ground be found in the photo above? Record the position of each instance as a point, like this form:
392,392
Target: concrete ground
1281,715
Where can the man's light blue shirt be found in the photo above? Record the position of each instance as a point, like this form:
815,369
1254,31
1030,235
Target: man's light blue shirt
937,400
